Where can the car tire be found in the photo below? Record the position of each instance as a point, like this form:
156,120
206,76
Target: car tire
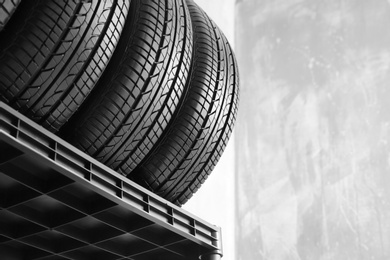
53,53
143,85
191,147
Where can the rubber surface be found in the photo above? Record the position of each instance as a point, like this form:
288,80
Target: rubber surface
138,95
53,53
7,8
186,155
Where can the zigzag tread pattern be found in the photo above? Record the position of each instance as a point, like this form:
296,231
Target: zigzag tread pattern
50,65
201,129
135,100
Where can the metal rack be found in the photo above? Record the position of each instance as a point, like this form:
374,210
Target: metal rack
58,203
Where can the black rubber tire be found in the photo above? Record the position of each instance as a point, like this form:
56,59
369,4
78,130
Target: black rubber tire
7,8
186,155
137,96
54,52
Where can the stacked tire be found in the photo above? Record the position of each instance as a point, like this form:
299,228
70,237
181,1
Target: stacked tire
149,88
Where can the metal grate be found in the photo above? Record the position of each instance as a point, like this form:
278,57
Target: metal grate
58,203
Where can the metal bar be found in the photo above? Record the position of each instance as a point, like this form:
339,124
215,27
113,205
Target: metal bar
27,141
216,255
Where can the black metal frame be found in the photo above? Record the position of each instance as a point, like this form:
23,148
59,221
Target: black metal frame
58,203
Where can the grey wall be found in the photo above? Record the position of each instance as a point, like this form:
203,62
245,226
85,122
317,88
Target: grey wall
313,133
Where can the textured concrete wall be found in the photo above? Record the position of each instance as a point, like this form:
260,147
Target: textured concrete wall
313,134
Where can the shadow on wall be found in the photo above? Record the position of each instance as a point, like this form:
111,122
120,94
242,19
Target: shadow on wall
313,134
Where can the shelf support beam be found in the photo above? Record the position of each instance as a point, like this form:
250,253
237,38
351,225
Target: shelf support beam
215,255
